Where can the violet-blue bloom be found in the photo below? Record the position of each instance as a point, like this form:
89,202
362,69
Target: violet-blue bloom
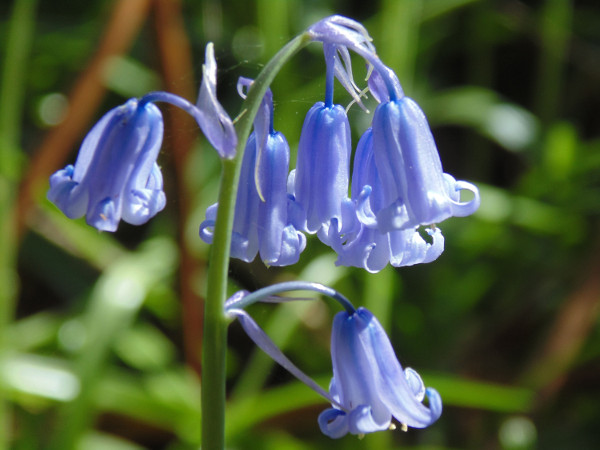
370,384
319,184
364,245
261,225
416,191
115,175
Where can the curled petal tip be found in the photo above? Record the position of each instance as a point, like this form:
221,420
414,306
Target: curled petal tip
435,404
333,423
462,209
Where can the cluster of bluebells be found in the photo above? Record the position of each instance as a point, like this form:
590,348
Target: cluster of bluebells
397,190
398,185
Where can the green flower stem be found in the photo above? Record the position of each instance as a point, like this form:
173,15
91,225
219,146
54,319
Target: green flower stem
215,321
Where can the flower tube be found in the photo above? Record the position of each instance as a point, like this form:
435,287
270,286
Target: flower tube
115,175
416,190
370,384
364,245
260,223
319,184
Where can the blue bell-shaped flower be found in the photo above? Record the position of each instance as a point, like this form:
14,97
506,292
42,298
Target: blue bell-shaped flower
364,245
319,184
369,385
416,191
260,223
115,175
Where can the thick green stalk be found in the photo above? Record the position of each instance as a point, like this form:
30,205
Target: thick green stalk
215,322
20,34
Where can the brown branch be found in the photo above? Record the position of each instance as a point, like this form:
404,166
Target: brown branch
177,72
126,19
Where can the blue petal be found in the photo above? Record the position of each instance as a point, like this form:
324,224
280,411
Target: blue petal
408,247
280,242
207,227
361,421
367,249
416,383
65,195
390,380
342,31
353,372
263,126
293,243
379,87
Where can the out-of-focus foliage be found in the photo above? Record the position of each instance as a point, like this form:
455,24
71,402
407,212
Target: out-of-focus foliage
100,347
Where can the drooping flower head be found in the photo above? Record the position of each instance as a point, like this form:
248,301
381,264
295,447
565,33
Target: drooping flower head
364,245
115,175
370,384
416,190
261,225
319,184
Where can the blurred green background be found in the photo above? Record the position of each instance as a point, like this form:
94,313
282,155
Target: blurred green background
100,334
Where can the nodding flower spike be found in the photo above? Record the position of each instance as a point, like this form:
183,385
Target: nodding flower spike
416,191
214,121
261,225
115,175
370,384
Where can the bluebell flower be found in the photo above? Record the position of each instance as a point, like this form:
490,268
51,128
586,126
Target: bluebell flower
319,184
370,384
260,223
115,175
363,244
416,191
